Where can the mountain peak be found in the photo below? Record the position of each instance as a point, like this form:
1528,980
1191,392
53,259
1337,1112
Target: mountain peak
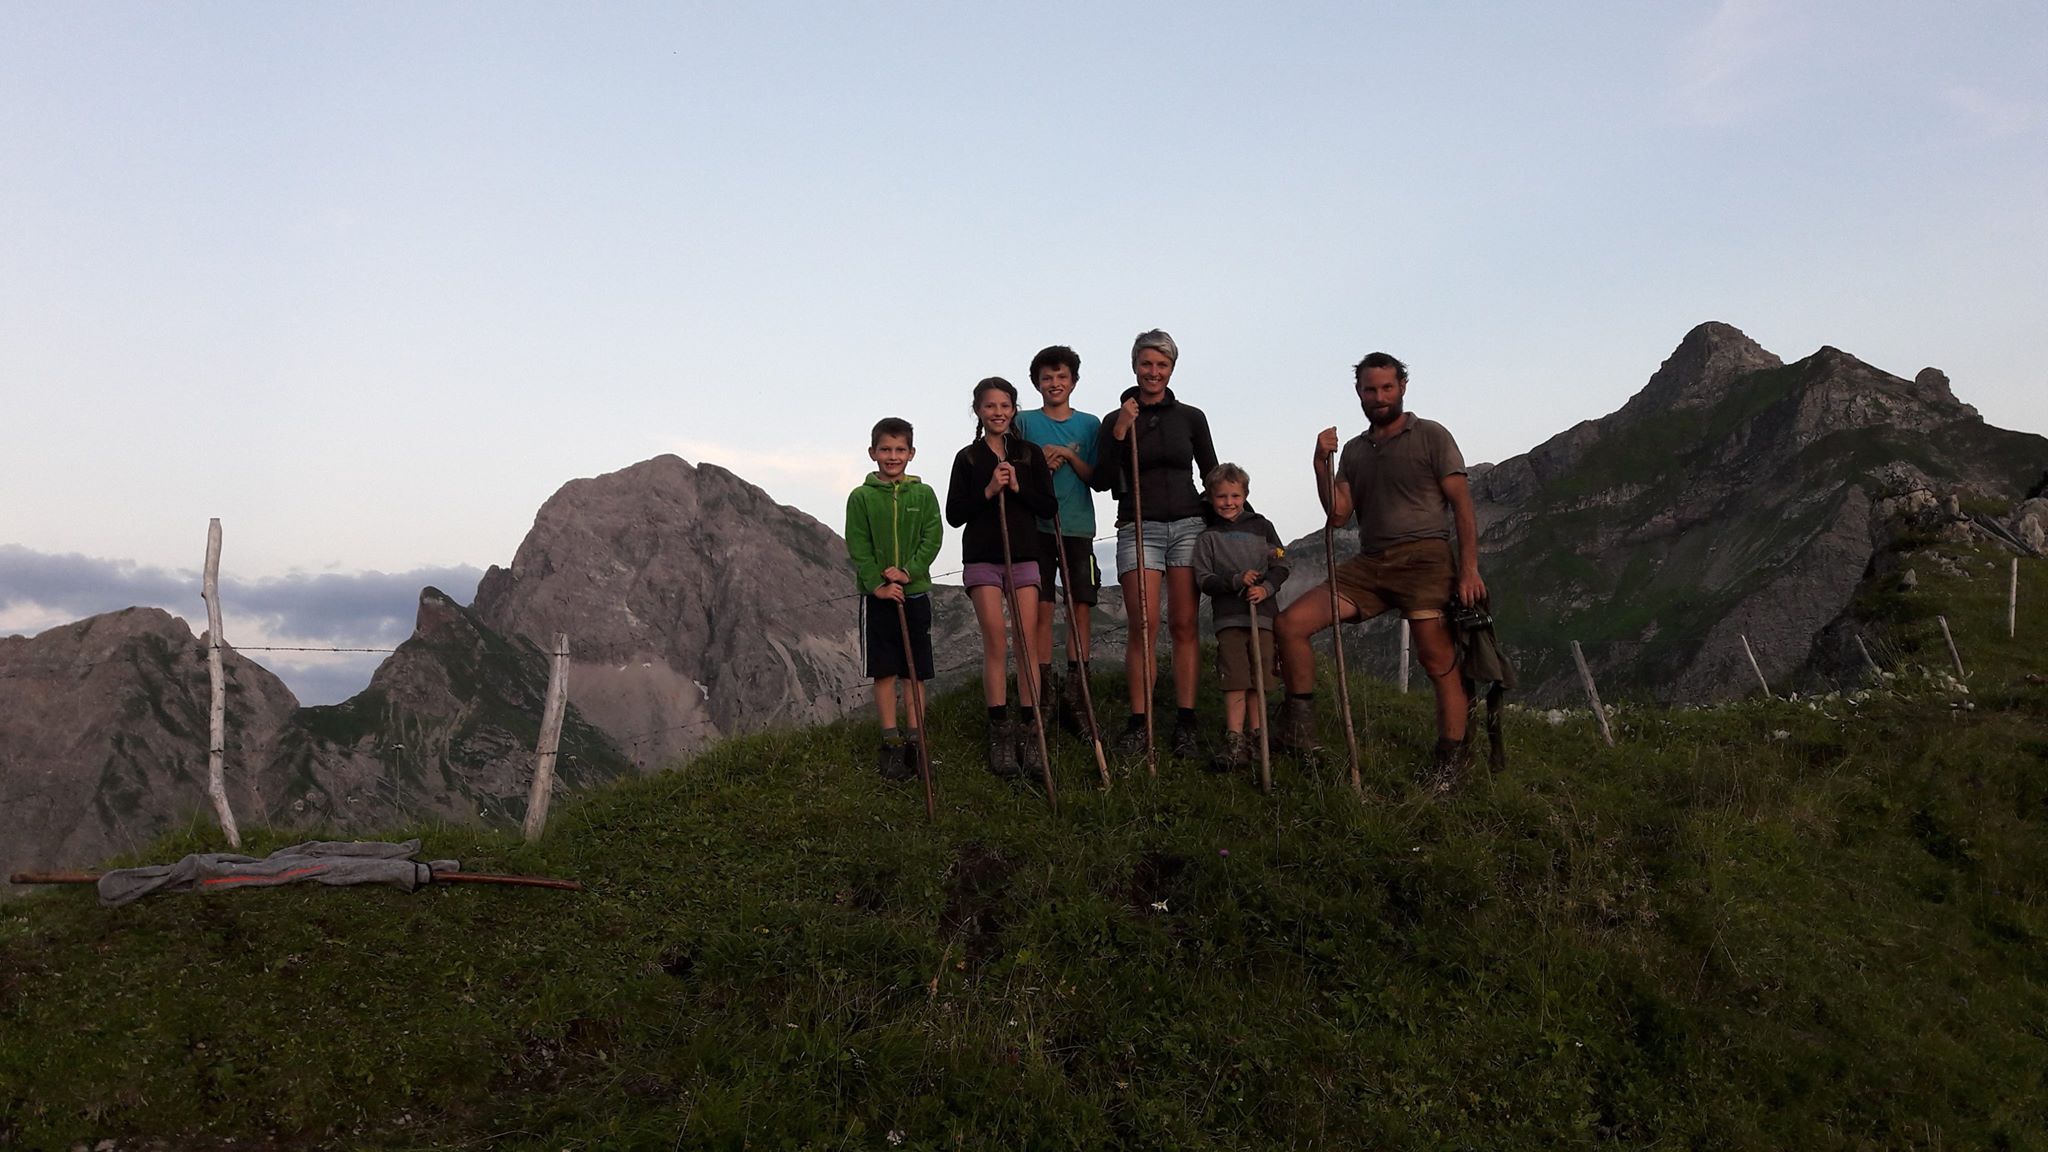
1698,372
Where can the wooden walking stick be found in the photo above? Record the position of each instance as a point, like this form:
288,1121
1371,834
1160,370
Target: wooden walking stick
917,716
1074,647
1144,604
1026,668
1259,694
1337,626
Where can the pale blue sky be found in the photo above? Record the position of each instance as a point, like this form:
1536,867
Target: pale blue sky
370,281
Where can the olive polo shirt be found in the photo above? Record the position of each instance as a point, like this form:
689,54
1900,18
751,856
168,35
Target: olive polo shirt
1397,485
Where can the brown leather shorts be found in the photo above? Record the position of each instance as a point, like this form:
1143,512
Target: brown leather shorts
1418,577
1234,660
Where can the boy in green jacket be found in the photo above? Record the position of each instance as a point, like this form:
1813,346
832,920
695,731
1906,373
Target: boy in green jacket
892,535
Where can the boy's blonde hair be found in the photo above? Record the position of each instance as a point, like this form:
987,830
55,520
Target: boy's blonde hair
1227,474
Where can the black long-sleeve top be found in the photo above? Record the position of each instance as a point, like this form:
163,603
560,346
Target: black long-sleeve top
967,509
1172,438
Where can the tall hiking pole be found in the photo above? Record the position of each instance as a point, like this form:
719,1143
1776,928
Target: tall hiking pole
1074,647
1025,667
1337,626
917,717
1259,692
1144,604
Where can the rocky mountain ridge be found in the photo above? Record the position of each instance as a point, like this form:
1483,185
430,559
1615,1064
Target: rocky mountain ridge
696,607
1735,496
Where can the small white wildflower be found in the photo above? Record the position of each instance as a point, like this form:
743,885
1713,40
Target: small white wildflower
1159,905
895,1136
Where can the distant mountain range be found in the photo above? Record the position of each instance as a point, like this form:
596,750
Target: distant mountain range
1733,496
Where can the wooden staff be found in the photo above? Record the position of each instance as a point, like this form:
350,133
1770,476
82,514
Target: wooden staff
1337,626
1025,666
1144,603
1259,694
1074,646
917,717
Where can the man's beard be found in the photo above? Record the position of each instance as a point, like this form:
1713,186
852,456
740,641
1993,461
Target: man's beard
1381,419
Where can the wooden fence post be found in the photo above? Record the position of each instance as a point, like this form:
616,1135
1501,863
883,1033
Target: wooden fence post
1592,694
1952,653
2012,602
1404,657
1756,668
216,751
550,739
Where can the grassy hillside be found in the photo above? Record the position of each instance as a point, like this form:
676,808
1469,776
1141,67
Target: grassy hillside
1817,923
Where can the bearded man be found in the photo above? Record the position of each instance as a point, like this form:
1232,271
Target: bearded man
1403,480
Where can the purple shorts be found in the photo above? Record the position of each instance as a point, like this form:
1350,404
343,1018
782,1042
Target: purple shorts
1022,575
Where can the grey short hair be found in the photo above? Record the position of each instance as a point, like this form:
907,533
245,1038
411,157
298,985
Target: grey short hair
1156,338
1227,474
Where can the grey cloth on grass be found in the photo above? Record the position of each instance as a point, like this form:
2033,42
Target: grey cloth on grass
316,861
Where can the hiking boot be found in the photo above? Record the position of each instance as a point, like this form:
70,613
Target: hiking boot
1071,710
1131,743
1448,770
1002,752
1234,756
1187,741
896,762
1030,764
1295,735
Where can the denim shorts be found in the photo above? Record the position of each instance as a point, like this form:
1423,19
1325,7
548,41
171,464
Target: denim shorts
1168,544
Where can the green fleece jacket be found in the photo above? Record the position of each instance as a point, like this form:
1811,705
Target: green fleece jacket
893,525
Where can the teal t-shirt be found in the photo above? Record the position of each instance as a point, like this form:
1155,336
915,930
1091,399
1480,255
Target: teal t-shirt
1077,433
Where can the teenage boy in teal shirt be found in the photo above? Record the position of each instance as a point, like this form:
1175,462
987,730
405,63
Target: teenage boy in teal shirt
892,535
1068,439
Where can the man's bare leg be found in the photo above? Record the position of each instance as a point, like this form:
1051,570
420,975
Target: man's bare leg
1439,658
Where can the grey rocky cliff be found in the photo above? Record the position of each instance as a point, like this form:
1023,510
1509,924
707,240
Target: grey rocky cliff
1733,496
104,734
696,606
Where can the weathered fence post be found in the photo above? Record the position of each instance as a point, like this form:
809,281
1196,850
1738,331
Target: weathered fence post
1592,694
1404,658
1952,653
217,726
1755,667
2012,602
550,738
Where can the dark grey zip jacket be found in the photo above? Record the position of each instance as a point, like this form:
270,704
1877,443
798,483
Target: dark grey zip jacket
1228,549
1174,454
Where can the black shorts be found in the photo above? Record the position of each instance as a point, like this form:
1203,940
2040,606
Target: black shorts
885,636
1080,564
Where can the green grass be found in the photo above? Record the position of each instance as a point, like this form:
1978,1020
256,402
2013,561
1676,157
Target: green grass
1817,923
